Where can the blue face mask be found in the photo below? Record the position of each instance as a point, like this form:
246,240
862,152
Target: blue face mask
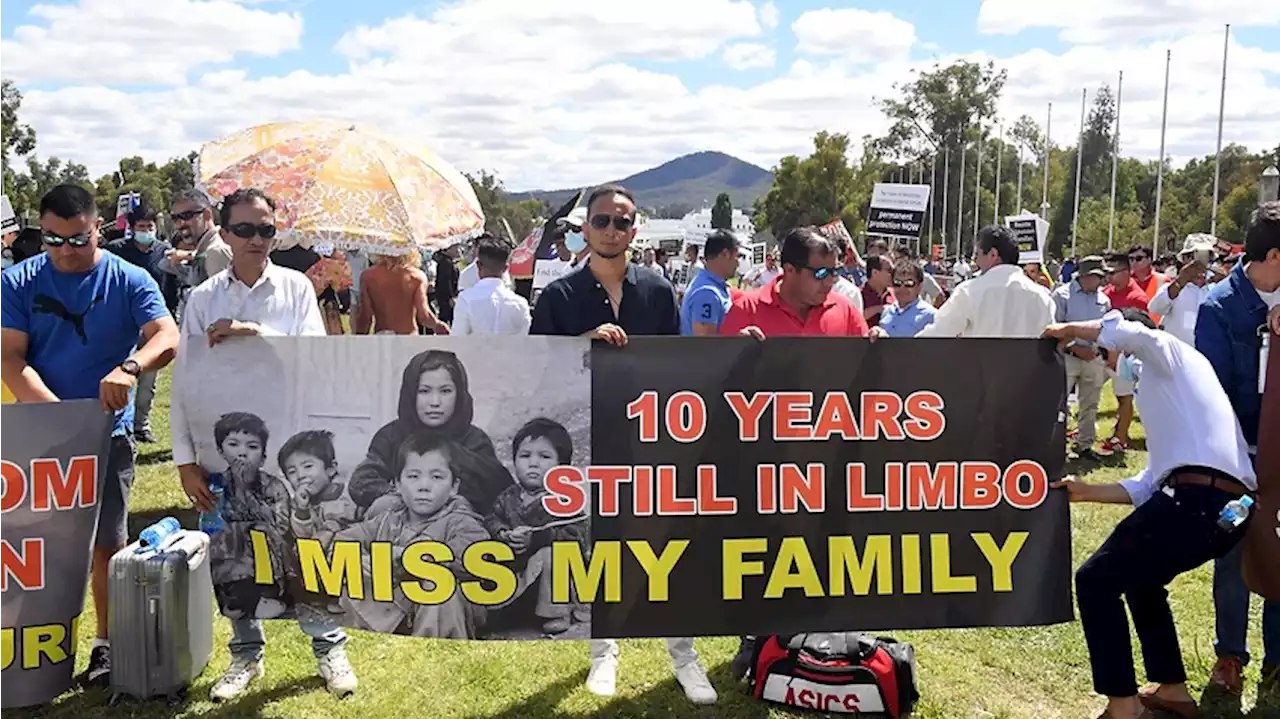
1129,368
144,238
575,242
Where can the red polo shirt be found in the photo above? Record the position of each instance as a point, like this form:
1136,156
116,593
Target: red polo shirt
837,317
1131,296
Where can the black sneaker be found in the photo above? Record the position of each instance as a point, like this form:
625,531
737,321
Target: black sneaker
145,435
742,662
98,674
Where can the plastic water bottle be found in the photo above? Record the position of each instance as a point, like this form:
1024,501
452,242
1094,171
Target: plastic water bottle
1235,513
211,522
154,535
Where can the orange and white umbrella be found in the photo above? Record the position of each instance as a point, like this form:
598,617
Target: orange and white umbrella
346,185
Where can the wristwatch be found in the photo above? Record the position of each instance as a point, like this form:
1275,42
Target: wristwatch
131,367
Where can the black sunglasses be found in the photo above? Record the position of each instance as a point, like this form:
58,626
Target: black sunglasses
619,222
904,283
819,273
1137,258
188,215
55,240
246,230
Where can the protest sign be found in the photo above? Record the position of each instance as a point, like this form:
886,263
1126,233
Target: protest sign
897,210
529,487
1262,543
8,220
1029,231
758,251
54,458
547,271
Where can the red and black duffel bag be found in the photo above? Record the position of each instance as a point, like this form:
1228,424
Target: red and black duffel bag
841,672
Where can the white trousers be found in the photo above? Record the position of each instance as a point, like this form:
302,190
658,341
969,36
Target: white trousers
680,649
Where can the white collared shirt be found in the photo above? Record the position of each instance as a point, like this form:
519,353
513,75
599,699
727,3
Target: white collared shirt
1001,302
470,275
282,303
1187,414
490,308
1179,313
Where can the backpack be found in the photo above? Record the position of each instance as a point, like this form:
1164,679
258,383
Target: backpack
842,672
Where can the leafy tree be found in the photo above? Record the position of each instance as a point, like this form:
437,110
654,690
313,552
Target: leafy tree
15,138
722,213
819,188
497,206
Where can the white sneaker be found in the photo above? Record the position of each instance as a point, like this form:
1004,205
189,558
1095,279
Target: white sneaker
603,678
236,679
696,684
339,677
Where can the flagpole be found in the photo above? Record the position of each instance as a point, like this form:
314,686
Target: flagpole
1048,154
1164,124
1017,209
1217,155
960,199
1115,162
946,185
933,186
977,186
995,220
1075,213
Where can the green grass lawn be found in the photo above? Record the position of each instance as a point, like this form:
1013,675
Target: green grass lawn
1034,673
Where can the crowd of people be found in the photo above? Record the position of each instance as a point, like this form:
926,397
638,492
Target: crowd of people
85,318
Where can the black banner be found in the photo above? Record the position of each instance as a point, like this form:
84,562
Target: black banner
917,471
898,223
1024,233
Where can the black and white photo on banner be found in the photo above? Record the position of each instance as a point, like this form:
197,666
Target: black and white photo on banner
330,457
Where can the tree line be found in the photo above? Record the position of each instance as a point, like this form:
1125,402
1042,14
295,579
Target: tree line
946,114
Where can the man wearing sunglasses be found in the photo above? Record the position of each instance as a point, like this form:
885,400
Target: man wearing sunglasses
800,302
72,318
253,297
1142,269
201,253
609,299
910,314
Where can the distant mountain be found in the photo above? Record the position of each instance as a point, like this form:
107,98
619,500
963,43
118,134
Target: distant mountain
690,181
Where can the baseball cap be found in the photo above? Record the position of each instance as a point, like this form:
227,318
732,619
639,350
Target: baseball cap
574,219
1091,265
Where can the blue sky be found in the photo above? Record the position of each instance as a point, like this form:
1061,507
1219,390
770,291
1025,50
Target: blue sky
561,92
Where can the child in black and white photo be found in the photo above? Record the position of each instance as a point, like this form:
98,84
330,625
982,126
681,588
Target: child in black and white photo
430,508
519,519
321,505
253,499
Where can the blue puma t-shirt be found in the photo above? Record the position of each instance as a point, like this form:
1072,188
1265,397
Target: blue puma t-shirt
82,325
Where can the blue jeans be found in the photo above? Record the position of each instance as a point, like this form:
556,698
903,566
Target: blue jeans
1231,610
249,642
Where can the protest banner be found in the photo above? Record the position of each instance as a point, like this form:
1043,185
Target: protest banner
8,220
1262,543
530,487
547,271
54,458
1030,232
897,210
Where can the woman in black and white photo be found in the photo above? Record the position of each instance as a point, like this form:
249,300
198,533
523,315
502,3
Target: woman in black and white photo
435,400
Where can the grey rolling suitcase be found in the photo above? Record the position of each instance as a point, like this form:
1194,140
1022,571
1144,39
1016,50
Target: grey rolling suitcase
161,617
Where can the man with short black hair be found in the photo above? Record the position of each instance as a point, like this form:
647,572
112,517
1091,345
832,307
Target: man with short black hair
1001,302
72,319
875,291
1228,334
800,302
911,313
707,300
693,265
1123,292
611,299
490,307
147,251
1142,268
202,252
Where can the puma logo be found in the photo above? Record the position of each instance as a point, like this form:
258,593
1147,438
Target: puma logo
46,305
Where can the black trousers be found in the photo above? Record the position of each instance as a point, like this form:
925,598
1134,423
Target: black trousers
1161,539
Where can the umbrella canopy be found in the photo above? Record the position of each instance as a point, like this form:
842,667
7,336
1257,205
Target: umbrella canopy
349,186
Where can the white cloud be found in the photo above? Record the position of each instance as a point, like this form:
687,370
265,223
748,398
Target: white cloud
857,35
141,42
769,15
748,55
1093,21
540,96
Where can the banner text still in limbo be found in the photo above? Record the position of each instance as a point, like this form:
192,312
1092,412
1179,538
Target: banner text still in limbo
789,487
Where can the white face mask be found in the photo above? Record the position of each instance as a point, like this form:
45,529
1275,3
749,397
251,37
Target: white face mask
575,242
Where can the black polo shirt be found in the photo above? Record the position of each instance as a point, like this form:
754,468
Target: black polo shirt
577,303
